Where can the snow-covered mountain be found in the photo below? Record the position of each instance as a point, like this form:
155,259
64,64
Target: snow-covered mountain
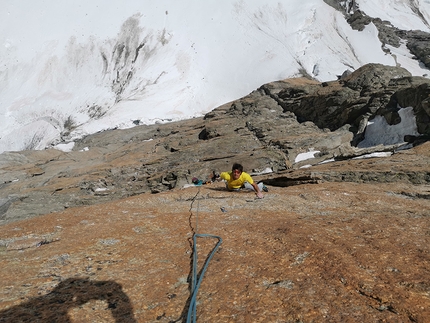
70,68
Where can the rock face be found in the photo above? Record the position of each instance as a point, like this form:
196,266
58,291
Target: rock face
328,252
103,233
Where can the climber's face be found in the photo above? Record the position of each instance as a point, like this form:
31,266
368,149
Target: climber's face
236,173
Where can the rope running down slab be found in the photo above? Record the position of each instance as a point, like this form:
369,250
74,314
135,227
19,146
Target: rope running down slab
197,279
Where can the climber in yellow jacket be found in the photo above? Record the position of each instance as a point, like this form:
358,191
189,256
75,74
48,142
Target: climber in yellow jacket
237,179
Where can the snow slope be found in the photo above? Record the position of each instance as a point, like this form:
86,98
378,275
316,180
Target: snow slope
72,68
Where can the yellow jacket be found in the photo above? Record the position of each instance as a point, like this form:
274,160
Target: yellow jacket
236,184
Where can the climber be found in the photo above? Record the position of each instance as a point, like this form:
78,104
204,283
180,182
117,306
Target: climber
237,179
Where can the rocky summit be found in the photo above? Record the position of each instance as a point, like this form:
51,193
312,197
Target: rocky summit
104,233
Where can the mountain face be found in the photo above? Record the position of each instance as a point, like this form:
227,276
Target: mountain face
105,66
103,229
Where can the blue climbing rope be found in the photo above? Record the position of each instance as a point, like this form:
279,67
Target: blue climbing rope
196,281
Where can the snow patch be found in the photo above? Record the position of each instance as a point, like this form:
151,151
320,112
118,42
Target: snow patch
65,147
379,132
304,156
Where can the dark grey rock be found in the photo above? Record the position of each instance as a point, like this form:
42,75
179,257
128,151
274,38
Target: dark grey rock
4,206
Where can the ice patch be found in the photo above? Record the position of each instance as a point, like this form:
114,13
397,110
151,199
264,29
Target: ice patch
305,156
65,147
379,132
372,155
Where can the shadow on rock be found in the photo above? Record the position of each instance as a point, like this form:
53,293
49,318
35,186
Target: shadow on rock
69,294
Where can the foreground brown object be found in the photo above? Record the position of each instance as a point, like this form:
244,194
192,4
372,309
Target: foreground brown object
329,252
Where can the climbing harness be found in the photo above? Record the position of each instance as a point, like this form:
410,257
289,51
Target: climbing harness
195,278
